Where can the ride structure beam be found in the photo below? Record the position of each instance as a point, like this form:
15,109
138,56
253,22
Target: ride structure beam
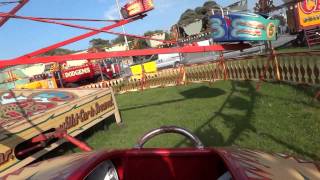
3,20
65,19
140,52
84,27
77,38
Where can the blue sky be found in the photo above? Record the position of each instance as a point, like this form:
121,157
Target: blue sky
18,37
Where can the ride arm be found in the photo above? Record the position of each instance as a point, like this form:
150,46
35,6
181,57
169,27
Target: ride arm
78,38
41,139
3,20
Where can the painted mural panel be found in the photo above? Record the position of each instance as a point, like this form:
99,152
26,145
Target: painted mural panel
25,114
243,27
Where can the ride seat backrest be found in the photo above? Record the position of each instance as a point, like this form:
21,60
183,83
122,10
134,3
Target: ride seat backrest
174,166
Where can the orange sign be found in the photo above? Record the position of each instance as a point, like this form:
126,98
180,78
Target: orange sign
309,13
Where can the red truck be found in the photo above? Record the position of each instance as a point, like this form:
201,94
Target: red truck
87,73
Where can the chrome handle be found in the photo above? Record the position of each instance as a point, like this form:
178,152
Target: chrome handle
169,129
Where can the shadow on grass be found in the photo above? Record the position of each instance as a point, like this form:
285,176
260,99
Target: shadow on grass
199,92
202,92
239,123
292,147
304,88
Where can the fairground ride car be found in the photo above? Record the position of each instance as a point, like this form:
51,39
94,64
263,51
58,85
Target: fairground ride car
171,163
135,7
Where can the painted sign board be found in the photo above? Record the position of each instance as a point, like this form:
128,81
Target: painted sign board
309,13
25,114
149,67
243,27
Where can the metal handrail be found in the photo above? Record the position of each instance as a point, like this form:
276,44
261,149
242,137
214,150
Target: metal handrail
169,129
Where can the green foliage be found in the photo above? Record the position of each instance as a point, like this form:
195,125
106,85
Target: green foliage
189,16
119,39
99,43
264,6
58,51
208,6
140,44
198,13
150,33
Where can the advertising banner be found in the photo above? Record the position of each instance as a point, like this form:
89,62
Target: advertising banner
309,13
243,27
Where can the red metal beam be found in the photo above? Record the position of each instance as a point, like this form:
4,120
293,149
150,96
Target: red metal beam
142,52
68,19
77,38
13,11
85,27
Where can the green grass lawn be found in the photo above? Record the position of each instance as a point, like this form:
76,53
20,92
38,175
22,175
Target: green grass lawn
296,49
278,118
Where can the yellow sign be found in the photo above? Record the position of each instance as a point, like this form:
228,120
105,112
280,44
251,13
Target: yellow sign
309,13
149,67
41,84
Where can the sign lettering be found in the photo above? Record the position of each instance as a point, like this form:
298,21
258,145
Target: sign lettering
309,7
83,115
309,13
77,72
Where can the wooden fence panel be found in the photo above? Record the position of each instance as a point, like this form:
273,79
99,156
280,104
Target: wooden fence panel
301,67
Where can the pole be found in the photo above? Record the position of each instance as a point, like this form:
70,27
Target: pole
100,69
123,30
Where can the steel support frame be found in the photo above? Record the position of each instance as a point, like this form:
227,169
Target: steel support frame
75,39
3,20
82,27
142,52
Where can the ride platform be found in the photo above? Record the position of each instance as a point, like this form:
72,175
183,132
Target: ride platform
26,114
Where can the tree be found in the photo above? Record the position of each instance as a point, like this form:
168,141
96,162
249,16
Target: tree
140,44
99,43
208,6
118,40
264,6
189,16
200,13
58,51
150,33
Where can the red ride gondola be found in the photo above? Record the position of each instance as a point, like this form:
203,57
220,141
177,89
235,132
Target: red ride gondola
171,163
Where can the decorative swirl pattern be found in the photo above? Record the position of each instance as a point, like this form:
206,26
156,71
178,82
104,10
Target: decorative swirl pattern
249,29
16,107
217,28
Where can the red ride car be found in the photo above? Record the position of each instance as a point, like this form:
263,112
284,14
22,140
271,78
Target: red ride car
171,163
